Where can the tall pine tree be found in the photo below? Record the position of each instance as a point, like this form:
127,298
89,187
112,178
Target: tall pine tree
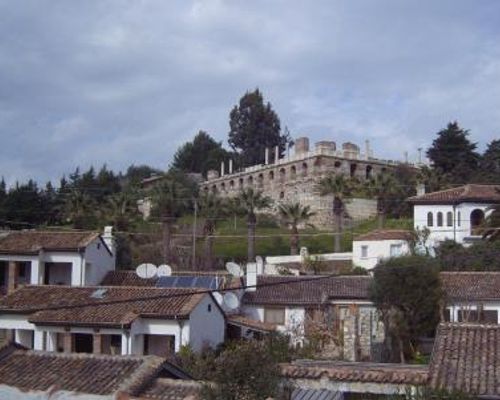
253,127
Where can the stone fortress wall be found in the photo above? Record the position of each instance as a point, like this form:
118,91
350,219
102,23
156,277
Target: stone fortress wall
295,177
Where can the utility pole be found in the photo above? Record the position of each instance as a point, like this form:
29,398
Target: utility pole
193,266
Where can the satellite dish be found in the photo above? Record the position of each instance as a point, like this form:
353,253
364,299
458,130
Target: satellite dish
146,271
164,270
231,301
218,297
233,268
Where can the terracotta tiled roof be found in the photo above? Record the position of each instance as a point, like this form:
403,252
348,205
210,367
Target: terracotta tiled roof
402,374
126,278
31,242
172,389
306,290
385,234
63,305
466,358
251,323
471,286
84,373
466,193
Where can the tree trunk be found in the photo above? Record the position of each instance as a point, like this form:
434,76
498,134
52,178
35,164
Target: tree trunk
167,235
251,241
208,253
294,241
338,232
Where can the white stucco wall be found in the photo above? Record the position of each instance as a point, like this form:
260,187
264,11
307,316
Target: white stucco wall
460,228
98,262
376,251
206,328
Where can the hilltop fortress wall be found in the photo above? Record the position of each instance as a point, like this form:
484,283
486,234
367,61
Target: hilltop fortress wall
295,177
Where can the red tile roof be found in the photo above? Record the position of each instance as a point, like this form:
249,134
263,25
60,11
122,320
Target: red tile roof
307,290
471,285
84,373
466,358
400,374
385,234
467,193
31,242
241,320
126,278
63,305
172,389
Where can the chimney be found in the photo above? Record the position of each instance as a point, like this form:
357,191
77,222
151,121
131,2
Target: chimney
222,168
251,277
230,166
266,155
420,189
108,238
276,154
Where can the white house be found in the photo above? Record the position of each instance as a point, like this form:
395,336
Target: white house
50,257
297,305
112,319
455,214
472,296
370,248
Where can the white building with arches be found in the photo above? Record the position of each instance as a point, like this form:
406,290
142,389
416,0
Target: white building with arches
454,214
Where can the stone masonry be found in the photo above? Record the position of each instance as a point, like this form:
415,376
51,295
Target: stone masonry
296,177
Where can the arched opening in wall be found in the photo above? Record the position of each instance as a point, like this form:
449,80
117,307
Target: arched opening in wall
214,189
317,165
449,218
282,195
282,175
337,164
430,219
293,172
250,180
304,169
223,186
383,170
271,175
206,189
476,221
439,219
260,181
368,173
240,183
231,184
354,167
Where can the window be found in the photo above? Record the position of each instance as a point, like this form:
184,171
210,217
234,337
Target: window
209,308
459,218
430,219
449,218
396,250
439,218
282,195
274,316
364,251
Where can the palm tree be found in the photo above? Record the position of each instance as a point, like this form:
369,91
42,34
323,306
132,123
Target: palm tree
78,208
293,215
120,209
339,187
169,202
492,223
212,208
383,188
249,201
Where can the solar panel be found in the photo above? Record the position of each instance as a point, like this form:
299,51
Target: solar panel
205,282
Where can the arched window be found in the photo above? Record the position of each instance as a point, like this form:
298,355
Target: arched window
223,186
240,182
214,189
231,184
304,169
250,180
271,175
293,172
337,164
368,172
449,218
282,195
476,220
439,219
260,181
282,175
354,167
430,219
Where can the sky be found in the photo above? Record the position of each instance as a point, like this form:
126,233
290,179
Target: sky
127,82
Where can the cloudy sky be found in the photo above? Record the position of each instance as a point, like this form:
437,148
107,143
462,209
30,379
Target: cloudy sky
121,82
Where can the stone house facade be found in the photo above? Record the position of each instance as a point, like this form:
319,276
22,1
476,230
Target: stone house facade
295,177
